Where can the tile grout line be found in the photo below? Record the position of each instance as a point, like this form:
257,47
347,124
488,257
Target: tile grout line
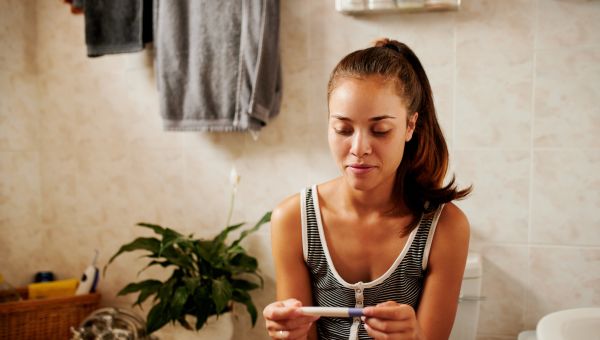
526,306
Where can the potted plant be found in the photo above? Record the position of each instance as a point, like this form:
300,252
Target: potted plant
209,275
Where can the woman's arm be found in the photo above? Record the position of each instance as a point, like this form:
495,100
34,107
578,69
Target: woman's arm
445,270
291,275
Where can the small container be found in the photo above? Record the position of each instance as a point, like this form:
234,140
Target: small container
43,277
8,293
381,4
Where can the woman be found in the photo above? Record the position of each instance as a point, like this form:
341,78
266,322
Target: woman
384,235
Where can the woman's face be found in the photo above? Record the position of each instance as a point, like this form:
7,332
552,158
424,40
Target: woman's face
368,128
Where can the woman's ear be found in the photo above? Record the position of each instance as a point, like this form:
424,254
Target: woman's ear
410,125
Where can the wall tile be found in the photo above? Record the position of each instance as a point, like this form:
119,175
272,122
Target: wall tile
498,208
494,54
328,33
265,188
565,24
59,193
566,95
565,197
103,188
496,26
19,111
493,94
21,259
18,34
561,278
161,202
207,190
19,189
504,285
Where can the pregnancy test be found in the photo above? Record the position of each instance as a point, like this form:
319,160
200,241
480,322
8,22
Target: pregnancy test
333,312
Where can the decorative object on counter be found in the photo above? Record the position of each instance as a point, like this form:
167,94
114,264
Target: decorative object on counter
209,274
392,6
111,323
89,278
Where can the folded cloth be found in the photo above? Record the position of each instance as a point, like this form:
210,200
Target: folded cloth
217,63
117,26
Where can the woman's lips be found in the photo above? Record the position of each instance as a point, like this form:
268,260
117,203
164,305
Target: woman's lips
360,169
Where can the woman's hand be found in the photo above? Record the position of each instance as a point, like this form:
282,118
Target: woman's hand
284,320
391,320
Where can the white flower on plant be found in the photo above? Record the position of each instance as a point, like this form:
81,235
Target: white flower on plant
234,178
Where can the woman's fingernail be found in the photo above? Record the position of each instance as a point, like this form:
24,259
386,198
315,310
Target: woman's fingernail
363,318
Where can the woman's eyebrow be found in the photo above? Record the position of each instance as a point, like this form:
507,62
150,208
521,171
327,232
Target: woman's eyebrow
372,119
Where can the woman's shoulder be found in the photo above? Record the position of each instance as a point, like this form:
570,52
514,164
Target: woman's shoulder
452,215
451,233
288,210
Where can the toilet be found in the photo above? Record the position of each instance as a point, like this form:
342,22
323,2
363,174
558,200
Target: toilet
467,315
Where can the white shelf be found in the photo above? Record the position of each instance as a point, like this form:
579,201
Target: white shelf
353,7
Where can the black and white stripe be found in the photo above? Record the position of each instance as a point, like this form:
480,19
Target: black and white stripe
402,283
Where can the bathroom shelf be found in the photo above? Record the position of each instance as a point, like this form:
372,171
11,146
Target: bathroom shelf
359,7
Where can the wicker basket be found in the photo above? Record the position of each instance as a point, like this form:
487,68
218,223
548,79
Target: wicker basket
50,318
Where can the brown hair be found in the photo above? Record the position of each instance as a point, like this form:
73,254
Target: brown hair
420,176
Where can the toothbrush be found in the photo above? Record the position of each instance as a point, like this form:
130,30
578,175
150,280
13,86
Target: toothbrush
89,278
333,312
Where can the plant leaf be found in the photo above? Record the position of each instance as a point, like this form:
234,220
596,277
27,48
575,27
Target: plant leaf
219,239
155,227
243,284
243,297
191,283
184,323
178,301
266,218
221,293
157,317
146,293
134,287
141,243
234,250
243,263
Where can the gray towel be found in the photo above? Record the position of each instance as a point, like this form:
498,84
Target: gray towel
217,63
117,26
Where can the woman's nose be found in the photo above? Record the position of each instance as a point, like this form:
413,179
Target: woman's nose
361,145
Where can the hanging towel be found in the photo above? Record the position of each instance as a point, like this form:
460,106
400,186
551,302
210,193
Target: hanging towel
218,65
117,26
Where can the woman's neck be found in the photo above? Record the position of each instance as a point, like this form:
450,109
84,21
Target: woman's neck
378,200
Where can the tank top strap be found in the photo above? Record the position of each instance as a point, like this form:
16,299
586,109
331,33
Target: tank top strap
312,248
425,234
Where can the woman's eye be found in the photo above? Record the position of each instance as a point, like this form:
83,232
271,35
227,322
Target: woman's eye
343,132
381,133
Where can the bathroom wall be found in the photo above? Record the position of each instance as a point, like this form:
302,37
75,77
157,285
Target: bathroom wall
83,156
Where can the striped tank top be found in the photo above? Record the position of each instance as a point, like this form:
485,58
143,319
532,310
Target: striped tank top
402,282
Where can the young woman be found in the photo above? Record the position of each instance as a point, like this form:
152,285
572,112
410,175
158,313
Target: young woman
384,235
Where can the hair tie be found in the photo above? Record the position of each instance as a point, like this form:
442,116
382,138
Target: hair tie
392,46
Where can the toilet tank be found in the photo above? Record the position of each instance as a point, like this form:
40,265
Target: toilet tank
467,315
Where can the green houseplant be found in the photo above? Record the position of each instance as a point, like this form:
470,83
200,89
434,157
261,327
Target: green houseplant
208,276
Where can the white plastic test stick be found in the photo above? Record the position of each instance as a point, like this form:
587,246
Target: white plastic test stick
334,312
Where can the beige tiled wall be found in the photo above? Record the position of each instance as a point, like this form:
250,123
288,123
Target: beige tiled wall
516,82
